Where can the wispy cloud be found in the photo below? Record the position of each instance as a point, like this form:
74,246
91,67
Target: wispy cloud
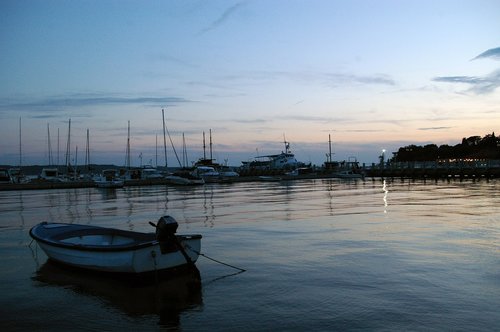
249,121
434,128
369,79
222,18
329,79
493,53
479,85
80,100
320,119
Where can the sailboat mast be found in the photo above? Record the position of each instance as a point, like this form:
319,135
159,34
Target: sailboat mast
76,162
330,148
211,158
164,138
57,146
49,145
184,152
127,157
204,147
68,145
87,152
20,154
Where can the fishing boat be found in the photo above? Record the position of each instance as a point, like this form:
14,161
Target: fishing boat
118,251
342,169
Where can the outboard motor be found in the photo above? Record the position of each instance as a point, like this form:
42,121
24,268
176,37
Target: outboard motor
165,234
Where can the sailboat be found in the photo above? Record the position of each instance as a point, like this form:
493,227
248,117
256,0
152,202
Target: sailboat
182,177
209,170
342,169
15,174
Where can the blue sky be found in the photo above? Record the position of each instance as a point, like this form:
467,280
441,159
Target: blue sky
373,74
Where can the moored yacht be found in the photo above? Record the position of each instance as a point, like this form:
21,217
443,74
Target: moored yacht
51,175
283,161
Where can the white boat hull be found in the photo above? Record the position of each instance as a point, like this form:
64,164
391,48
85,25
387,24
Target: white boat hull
112,253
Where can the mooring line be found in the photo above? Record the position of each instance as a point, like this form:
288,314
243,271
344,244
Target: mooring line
213,259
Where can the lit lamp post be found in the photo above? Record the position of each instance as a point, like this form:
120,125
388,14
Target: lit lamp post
382,158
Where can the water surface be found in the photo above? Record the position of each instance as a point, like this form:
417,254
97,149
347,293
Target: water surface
318,254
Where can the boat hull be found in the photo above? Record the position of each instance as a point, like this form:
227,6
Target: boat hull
97,251
109,184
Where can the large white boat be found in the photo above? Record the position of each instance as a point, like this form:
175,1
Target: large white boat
282,161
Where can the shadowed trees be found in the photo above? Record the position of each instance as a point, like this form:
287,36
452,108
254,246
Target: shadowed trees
474,147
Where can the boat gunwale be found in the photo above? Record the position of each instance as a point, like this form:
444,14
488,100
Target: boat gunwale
140,240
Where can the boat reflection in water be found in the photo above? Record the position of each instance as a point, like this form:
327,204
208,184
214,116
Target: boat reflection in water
167,294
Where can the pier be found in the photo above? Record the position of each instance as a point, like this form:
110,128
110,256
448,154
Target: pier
436,169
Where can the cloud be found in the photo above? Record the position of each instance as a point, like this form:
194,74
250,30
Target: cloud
493,53
250,121
349,78
435,128
328,79
458,79
79,100
479,85
320,119
223,18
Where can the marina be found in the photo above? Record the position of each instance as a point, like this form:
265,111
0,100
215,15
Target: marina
429,170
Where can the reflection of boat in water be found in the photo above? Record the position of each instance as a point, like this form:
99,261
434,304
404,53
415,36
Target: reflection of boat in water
269,178
166,296
117,251
348,174
183,180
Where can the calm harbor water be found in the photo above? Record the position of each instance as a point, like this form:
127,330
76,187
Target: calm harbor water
319,255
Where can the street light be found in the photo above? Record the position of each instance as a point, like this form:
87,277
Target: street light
382,158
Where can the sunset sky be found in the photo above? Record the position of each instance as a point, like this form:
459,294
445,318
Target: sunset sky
373,74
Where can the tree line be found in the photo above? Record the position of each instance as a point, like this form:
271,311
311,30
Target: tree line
474,147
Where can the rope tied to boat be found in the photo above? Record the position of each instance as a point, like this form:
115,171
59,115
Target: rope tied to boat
213,259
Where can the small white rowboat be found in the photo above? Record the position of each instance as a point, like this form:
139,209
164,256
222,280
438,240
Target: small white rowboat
114,250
